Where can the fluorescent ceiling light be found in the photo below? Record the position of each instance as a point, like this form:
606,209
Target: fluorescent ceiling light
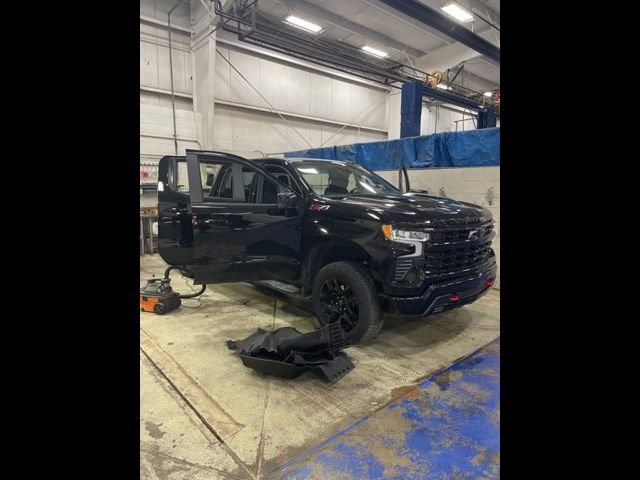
443,86
458,13
488,94
303,24
375,51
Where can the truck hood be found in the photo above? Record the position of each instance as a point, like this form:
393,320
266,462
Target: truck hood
411,208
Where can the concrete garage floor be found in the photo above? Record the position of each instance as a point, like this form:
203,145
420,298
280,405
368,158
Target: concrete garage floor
204,415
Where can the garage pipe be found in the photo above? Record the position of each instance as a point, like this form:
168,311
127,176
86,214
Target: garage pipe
173,99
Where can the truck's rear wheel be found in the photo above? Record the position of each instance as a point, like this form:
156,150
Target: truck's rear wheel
344,292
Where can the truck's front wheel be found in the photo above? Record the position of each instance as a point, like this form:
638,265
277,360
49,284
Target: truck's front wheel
344,292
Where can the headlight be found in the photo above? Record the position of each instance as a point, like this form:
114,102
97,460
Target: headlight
395,234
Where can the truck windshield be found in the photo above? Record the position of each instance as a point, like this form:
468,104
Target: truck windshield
335,178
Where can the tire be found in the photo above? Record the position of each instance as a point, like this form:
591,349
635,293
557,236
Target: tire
355,304
159,308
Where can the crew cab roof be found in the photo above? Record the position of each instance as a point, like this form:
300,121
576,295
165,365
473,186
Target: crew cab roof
296,160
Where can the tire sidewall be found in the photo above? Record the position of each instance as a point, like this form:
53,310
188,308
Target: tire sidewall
354,275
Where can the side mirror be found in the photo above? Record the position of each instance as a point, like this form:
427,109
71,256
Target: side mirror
288,199
414,190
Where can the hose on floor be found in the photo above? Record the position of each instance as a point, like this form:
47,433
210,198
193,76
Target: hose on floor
185,273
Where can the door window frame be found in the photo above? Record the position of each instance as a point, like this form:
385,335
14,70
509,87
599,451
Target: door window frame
194,157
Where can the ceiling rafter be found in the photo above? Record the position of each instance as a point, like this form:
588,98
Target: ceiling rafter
352,27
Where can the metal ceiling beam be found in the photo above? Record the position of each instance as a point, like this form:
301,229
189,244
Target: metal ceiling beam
446,26
477,7
352,27
257,50
470,74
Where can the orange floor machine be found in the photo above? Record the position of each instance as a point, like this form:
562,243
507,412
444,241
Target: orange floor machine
157,296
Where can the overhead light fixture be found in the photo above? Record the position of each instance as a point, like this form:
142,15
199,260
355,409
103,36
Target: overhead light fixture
458,13
443,86
488,94
375,51
303,24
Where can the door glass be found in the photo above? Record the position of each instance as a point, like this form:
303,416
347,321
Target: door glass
282,175
208,174
182,178
217,183
247,181
269,191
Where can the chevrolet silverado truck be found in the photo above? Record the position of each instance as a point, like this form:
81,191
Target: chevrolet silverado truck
332,232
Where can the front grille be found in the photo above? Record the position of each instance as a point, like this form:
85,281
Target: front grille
460,234
454,244
459,221
456,258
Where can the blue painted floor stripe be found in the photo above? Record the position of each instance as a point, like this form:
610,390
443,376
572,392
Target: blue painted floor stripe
446,428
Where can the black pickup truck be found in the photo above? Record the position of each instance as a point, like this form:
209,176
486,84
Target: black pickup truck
332,231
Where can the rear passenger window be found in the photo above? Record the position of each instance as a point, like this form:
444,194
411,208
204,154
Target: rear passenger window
208,174
219,181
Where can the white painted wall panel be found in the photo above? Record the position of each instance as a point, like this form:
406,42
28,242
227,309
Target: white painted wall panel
373,104
156,120
223,75
148,64
273,83
250,68
321,94
154,67
298,91
244,132
341,100
295,90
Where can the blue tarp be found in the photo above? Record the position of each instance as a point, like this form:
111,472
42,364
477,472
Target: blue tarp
472,148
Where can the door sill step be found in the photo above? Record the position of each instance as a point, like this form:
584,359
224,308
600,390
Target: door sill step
280,286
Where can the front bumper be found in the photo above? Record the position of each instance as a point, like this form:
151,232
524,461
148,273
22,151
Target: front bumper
437,297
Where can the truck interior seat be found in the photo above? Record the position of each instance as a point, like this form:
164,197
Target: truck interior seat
269,192
337,186
284,179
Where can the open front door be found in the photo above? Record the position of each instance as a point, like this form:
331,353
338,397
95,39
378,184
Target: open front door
240,231
175,233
